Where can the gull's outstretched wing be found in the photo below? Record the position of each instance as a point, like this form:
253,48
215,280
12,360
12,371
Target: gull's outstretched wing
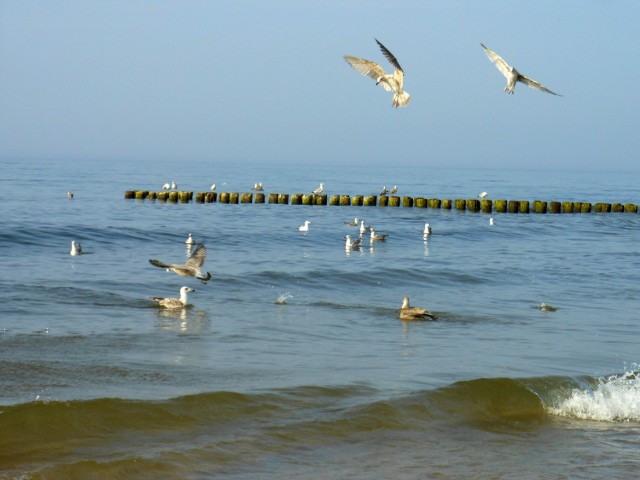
537,85
158,263
367,68
198,257
389,56
497,60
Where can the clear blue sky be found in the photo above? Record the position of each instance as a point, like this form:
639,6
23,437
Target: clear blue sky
259,80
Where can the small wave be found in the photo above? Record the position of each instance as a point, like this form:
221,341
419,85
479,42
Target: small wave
615,398
283,299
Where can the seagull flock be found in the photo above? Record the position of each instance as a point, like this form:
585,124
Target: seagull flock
394,82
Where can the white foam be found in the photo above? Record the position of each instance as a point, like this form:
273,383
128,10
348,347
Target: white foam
614,399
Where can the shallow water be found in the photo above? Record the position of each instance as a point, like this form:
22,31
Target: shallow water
95,382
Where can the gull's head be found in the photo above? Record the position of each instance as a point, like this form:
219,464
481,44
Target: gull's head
405,302
184,290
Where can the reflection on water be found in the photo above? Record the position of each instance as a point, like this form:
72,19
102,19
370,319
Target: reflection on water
183,320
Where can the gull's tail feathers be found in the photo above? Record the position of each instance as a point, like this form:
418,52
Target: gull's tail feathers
401,99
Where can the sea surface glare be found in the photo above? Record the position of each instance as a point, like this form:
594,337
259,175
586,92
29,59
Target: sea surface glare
292,363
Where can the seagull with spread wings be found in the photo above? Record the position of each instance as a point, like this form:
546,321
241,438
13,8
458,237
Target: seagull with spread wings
391,82
191,268
513,75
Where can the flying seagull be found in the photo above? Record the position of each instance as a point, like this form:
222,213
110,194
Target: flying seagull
191,268
391,82
175,303
513,75
407,312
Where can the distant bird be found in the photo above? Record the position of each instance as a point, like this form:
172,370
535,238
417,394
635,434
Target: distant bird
393,190
191,268
491,221
378,237
427,229
190,240
166,186
76,248
546,307
392,82
384,191
364,229
349,244
305,227
355,222
258,187
69,194
174,186
319,190
407,312
175,303
213,187
482,195
512,74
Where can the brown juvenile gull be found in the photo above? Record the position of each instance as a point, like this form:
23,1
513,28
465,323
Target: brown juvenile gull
407,312
391,82
191,268
513,75
175,303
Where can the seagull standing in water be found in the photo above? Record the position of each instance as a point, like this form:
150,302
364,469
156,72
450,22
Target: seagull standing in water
190,240
407,312
76,248
319,190
391,82
191,268
175,303
305,227
513,76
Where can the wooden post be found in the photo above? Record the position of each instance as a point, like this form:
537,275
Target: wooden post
567,207
152,195
141,194
473,205
357,201
486,206
585,208
384,201
555,207
320,199
460,204
306,199
370,201
420,202
259,197
345,200
524,206
513,206
283,199
501,206
173,197
407,202
394,201
163,196
630,208
539,206
273,198
200,197
434,203
334,200
296,199
446,204
211,197
617,207
246,198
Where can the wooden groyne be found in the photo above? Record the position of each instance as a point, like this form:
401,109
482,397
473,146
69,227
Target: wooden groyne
472,205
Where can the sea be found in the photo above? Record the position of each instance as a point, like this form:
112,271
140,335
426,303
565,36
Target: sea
291,362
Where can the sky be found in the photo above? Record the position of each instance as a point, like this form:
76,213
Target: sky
264,81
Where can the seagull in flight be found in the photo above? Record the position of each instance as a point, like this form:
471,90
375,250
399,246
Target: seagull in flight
513,75
175,303
391,82
191,268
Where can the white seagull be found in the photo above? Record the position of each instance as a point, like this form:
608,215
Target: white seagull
491,221
482,195
305,227
166,186
319,190
213,187
427,229
76,248
513,75
378,237
393,190
69,194
384,191
364,229
190,240
355,222
349,244
258,187
191,268
391,82
174,186
407,312
175,303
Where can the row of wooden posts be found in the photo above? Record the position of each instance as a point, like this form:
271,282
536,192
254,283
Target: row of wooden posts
473,205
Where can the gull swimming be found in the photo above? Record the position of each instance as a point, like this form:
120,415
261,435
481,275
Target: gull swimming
407,312
491,221
363,228
69,194
319,190
191,268
305,227
190,240
76,248
391,82
349,244
384,191
355,222
427,229
378,237
513,75
393,190
175,303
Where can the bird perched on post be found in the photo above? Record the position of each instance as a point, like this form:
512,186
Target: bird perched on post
407,312
391,82
513,75
191,268
482,195
319,190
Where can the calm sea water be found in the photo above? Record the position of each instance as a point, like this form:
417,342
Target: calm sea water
95,382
